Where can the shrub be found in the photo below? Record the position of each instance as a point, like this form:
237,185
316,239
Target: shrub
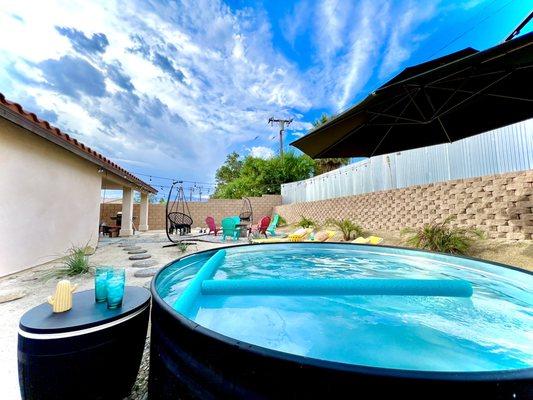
282,221
350,230
76,262
306,223
443,237
182,246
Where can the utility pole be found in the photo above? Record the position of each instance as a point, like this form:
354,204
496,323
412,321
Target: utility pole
282,123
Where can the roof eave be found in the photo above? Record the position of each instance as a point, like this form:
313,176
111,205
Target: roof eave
33,127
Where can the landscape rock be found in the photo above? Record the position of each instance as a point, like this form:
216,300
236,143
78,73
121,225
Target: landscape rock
140,256
146,272
144,263
141,251
6,296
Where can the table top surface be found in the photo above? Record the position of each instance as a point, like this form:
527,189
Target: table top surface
85,312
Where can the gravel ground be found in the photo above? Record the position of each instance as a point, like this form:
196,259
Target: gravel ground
140,388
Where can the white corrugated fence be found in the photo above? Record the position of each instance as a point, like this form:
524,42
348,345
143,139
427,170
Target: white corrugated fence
503,150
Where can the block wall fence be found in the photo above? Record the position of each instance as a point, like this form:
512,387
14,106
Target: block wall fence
217,208
500,205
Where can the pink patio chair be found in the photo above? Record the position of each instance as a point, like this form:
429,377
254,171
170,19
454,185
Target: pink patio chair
210,221
262,226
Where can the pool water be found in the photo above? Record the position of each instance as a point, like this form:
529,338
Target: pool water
491,331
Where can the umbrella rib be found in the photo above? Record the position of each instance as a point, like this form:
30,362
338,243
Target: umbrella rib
414,102
444,129
349,134
395,116
481,75
461,84
388,131
471,96
483,94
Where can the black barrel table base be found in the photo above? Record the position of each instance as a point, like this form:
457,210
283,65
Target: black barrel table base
89,352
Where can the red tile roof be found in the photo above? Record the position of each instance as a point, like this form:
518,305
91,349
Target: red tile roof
70,143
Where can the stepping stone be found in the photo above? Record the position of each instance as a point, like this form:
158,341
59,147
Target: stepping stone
144,264
123,244
10,296
141,251
140,256
146,272
131,248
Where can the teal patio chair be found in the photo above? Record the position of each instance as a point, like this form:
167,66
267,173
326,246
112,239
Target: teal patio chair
229,228
272,227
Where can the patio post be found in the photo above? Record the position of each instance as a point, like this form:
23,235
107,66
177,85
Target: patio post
143,223
127,211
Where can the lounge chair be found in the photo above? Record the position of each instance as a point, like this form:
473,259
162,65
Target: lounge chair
229,228
299,235
210,221
272,227
369,240
323,236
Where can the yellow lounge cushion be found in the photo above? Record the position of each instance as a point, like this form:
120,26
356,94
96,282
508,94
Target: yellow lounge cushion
368,240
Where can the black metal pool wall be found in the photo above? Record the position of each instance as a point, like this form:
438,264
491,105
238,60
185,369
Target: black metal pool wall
190,362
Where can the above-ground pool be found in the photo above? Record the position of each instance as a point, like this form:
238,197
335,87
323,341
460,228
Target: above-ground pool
245,343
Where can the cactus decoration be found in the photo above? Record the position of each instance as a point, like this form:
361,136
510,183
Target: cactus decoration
61,301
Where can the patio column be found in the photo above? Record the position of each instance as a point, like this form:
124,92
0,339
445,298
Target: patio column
127,212
143,223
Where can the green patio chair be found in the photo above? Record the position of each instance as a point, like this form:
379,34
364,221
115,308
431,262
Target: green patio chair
273,224
229,228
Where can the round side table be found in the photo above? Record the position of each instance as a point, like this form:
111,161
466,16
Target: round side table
88,352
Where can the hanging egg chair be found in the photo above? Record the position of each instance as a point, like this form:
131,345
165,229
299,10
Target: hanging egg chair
178,217
246,215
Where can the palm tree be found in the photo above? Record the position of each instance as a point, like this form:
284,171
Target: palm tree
323,165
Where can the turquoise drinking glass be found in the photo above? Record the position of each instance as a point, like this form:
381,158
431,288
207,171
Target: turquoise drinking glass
100,284
116,279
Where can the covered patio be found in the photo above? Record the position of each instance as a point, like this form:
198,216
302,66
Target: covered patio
112,181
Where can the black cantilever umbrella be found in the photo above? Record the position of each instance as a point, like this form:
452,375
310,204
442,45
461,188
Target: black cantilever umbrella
443,100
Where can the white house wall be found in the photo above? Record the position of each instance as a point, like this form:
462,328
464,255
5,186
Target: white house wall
49,200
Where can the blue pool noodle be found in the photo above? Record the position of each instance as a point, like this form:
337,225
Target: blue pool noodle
311,287
187,299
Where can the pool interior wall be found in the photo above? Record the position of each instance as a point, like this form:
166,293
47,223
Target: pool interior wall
198,362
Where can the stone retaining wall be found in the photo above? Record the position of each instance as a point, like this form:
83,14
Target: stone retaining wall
501,205
217,208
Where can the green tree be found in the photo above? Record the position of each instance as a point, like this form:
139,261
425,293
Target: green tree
230,170
327,164
257,176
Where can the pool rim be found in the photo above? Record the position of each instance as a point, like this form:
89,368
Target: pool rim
497,375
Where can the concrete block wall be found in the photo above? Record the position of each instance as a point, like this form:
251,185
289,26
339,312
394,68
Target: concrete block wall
501,205
217,208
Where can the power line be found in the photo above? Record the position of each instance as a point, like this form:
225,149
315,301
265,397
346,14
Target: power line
174,179
473,26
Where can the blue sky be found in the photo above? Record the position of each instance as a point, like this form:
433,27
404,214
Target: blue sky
168,88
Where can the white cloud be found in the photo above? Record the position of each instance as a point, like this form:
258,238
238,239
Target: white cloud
206,78
402,42
233,78
262,152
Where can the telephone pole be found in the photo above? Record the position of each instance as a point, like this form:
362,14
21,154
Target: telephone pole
282,123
